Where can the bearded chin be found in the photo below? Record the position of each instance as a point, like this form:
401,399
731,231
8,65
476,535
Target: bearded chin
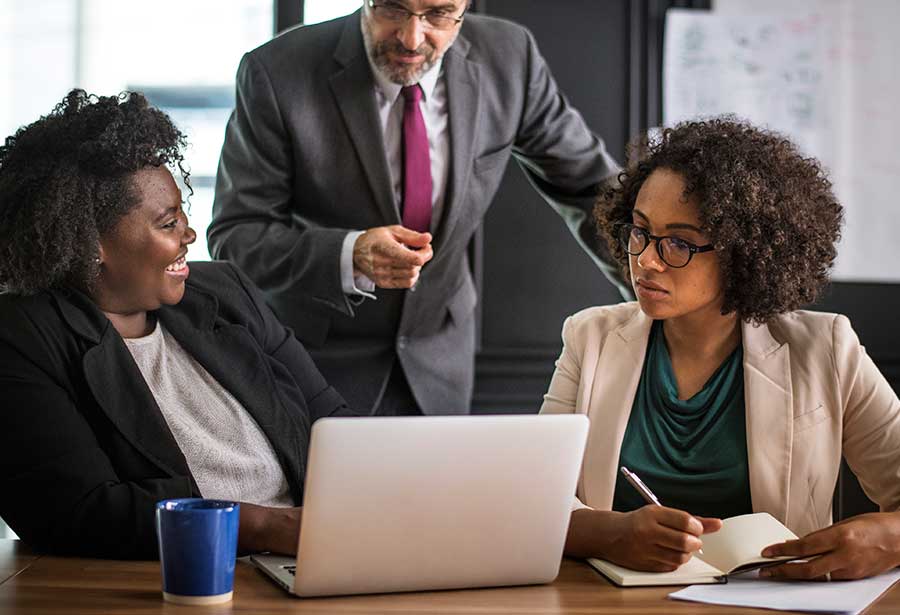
401,75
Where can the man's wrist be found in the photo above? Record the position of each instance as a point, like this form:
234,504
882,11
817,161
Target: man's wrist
353,283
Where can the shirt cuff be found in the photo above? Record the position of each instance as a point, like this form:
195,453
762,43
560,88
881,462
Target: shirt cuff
350,283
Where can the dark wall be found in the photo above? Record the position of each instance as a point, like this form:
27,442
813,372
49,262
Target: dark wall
533,272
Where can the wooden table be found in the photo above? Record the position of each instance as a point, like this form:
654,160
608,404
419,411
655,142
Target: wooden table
14,558
43,584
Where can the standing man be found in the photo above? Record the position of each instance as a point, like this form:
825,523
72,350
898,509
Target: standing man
360,159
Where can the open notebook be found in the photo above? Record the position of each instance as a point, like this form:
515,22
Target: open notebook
734,548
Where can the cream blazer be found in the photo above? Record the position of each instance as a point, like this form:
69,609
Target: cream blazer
811,394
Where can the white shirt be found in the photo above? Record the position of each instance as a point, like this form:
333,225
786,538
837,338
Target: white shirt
390,112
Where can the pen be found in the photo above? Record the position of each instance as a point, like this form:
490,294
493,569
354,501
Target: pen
643,489
638,484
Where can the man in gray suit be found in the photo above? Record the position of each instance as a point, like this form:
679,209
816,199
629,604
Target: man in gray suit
359,161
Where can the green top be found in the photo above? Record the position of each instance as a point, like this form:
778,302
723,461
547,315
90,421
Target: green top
692,454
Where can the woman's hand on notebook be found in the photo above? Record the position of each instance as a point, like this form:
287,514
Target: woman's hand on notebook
652,538
265,528
858,547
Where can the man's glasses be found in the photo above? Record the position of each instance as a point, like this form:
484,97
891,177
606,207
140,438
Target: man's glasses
396,14
673,251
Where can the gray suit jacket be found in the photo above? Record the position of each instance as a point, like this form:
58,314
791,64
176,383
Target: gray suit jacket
303,163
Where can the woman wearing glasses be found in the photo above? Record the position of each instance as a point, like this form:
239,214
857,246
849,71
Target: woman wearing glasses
713,387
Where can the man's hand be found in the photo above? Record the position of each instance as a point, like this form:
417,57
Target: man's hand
392,256
651,538
855,548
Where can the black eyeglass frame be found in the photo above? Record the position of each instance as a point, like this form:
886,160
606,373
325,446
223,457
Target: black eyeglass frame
624,240
420,16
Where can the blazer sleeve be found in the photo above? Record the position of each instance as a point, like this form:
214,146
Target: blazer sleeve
871,422
279,342
565,161
58,489
563,392
562,395
253,221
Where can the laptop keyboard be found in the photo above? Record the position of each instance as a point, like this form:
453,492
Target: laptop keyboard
292,570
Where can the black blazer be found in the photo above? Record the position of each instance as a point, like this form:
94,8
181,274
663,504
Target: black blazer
84,448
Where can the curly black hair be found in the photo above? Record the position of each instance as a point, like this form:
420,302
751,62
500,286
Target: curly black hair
769,211
66,179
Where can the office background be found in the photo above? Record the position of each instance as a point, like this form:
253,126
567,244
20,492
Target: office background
606,56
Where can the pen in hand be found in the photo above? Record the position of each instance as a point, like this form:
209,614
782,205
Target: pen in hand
641,488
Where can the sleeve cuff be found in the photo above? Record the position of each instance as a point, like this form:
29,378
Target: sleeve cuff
353,284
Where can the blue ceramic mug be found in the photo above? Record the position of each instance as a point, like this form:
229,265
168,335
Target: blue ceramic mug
197,549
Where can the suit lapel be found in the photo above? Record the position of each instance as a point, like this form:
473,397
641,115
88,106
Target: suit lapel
615,382
123,395
768,401
118,386
463,100
353,87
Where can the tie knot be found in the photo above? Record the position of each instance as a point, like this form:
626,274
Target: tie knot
412,93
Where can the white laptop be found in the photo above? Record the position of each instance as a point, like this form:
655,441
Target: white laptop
419,503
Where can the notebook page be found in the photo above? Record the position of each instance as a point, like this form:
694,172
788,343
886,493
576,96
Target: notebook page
845,597
741,539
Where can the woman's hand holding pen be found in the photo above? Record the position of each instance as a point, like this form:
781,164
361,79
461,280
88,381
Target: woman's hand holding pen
858,547
659,539
652,538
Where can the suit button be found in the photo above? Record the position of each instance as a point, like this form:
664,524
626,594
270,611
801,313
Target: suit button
401,342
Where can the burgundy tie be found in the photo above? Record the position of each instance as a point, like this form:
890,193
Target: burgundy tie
416,163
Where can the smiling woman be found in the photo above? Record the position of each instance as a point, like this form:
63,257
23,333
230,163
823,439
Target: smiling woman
67,179
128,376
143,258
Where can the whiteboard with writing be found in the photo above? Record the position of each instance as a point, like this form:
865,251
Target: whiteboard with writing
825,73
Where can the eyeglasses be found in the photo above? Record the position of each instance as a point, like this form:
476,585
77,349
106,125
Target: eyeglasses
395,14
673,251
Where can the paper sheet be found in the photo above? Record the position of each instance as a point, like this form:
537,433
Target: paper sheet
846,597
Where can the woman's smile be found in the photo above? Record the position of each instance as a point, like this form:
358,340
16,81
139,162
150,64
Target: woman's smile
179,268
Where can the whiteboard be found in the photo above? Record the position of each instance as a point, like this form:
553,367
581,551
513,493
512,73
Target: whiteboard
824,72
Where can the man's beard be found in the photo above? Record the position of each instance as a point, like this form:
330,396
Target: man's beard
399,74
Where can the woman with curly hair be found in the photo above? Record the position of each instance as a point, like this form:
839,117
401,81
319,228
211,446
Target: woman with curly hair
714,387
126,381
